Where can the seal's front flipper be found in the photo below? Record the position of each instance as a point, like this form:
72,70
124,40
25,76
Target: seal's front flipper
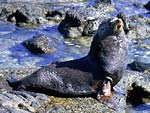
105,94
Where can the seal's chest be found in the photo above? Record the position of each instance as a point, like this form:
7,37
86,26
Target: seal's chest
113,42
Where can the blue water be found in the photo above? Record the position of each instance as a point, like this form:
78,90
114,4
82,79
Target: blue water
128,8
14,55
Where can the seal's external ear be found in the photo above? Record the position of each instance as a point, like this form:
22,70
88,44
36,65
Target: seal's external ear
96,36
122,16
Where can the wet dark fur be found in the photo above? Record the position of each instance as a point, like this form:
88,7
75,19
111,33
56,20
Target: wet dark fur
107,57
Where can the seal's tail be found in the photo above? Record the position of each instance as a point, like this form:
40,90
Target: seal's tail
13,82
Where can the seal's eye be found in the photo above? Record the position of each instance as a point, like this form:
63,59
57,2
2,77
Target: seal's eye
110,24
102,29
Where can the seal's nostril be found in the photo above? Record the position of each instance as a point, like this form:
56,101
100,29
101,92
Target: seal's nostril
110,24
118,21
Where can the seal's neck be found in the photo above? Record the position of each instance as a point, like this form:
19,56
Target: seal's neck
93,54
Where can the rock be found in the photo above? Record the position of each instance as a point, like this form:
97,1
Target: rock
76,22
18,17
24,102
28,13
83,21
139,36
45,1
56,15
57,109
31,13
38,44
139,27
7,109
138,5
147,5
137,94
137,87
21,102
139,66
104,1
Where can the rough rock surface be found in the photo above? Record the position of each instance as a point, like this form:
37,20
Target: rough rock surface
139,37
23,102
138,91
139,27
84,21
68,105
104,1
31,13
45,1
139,66
38,44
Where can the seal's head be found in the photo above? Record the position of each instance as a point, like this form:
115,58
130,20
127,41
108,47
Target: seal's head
110,27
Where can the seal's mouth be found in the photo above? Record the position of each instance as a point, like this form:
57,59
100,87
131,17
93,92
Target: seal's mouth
119,25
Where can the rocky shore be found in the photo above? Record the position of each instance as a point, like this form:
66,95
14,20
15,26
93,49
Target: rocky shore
76,21
133,84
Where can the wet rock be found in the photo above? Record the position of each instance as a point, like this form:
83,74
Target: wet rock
25,14
147,5
57,109
33,101
139,66
21,13
38,45
139,27
137,94
21,102
138,5
7,109
83,21
104,1
45,1
137,87
56,15
18,17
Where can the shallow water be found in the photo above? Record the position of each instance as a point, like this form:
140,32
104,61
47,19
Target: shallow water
128,8
14,55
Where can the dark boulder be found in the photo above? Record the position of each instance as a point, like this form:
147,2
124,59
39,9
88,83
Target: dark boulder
147,5
56,15
18,17
24,14
21,102
83,21
137,94
139,66
104,1
38,45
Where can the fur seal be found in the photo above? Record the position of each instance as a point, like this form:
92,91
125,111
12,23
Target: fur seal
95,73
